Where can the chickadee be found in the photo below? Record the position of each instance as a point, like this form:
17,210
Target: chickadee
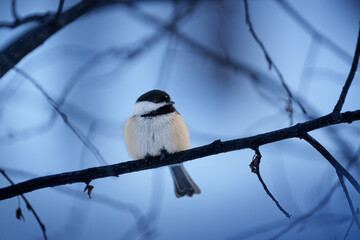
156,126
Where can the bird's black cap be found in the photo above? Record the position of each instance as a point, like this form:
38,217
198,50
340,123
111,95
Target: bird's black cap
155,96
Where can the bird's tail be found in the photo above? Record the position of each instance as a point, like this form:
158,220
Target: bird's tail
184,185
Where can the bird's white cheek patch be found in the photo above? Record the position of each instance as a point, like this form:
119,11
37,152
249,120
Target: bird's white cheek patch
146,107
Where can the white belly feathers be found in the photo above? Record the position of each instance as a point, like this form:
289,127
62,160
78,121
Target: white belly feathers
149,135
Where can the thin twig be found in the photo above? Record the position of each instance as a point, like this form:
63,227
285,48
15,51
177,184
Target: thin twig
28,205
216,147
59,10
255,166
349,79
13,11
273,65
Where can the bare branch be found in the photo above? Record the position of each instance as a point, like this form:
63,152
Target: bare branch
28,205
338,167
349,79
255,167
216,147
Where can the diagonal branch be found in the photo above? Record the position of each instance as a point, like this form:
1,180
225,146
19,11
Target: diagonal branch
340,171
28,205
338,167
33,38
349,79
216,147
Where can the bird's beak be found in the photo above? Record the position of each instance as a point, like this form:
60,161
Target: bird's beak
170,103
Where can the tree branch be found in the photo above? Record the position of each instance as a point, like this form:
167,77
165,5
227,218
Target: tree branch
349,79
216,147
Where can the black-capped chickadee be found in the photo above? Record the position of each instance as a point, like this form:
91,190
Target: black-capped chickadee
156,126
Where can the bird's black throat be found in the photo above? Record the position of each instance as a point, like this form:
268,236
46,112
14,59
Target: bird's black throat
160,111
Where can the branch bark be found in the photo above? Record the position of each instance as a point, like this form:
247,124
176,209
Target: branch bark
87,175
33,38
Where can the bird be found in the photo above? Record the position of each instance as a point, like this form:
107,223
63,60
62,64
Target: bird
157,128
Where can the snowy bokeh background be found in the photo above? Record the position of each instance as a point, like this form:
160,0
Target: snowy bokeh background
90,62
